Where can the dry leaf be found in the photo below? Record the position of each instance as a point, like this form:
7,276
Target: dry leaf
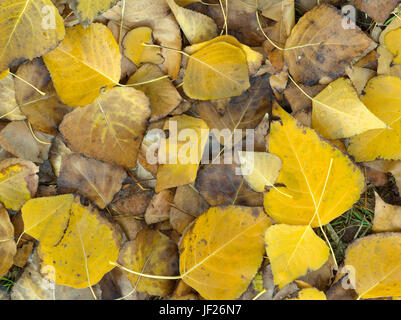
43,112
293,251
111,128
382,99
88,10
185,168
26,32
151,253
197,27
77,241
224,245
162,94
94,179
387,217
7,243
309,190
376,261
18,182
325,47
378,10
338,113
78,68
8,105
359,77
159,207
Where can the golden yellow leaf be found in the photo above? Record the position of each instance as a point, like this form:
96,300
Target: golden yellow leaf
318,180
4,74
96,180
293,251
8,248
78,65
222,251
29,29
260,169
196,26
152,253
162,94
310,294
375,262
136,51
218,70
387,217
18,182
253,58
322,47
9,108
111,128
77,241
88,10
382,97
393,44
185,152
341,114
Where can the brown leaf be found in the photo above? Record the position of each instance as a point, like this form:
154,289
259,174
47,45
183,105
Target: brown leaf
7,243
325,47
159,207
96,180
23,254
44,112
377,10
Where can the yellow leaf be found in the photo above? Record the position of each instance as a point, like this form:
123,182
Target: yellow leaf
162,94
136,51
318,180
253,58
222,251
196,26
4,74
18,182
88,10
260,169
111,128
7,243
77,241
78,65
375,262
152,253
216,71
341,114
393,44
387,217
310,294
293,251
27,30
382,97
184,151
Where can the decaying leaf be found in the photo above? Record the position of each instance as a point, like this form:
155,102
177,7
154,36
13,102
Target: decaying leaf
158,209
88,10
260,169
7,243
150,253
77,241
382,99
8,105
197,27
293,250
181,154
224,245
319,48
111,128
338,113
310,190
378,10
162,94
376,264
43,112
26,31
96,180
387,217
18,182
78,68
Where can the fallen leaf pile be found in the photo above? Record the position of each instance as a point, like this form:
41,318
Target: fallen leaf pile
283,184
